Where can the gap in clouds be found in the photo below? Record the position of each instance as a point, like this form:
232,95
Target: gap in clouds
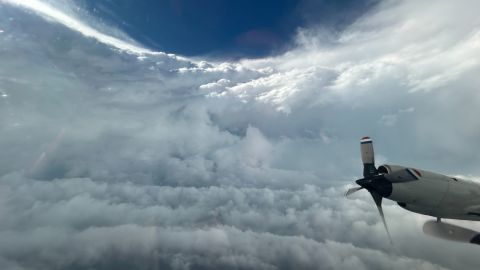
233,29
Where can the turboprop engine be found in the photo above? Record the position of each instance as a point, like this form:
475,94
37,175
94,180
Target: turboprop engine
410,188
416,190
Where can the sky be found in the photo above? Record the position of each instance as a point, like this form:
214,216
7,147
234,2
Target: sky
219,28
121,150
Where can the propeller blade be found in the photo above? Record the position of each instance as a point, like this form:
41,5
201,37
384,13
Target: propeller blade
352,190
378,201
368,157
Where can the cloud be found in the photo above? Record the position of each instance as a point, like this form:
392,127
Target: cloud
83,223
124,159
391,119
56,15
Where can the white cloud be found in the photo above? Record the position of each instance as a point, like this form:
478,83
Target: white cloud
215,226
56,15
391,119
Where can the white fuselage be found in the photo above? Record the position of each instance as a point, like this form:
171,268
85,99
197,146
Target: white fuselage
438,196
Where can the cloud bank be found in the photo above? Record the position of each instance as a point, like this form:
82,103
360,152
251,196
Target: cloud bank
117,158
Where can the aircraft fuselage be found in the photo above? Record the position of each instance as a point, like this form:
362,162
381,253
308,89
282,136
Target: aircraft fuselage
433,194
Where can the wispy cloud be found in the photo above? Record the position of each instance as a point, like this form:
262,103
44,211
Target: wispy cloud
50,12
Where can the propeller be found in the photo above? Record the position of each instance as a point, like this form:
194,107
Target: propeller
378,201
352,190
376,184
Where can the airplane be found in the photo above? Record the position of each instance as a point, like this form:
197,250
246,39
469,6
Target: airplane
416,190
451,232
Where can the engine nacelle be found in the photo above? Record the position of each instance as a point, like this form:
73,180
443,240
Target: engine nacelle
399,174
414,186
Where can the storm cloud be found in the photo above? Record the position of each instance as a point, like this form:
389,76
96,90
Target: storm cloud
117,157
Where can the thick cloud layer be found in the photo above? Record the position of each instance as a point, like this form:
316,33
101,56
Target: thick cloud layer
121,158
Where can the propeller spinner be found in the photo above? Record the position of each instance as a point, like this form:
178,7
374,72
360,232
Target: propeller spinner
374,182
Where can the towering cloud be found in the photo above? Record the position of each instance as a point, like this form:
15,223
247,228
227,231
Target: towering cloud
116,157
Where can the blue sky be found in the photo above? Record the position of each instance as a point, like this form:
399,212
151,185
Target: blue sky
223,28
